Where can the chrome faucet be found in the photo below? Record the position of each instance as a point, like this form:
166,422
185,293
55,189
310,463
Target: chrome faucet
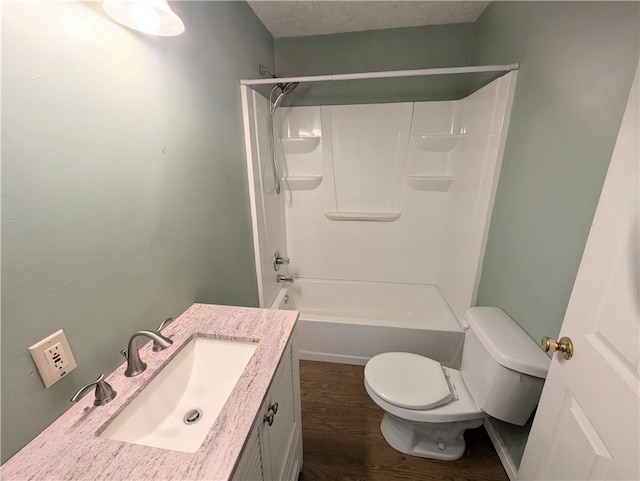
104,392
135,365
283,278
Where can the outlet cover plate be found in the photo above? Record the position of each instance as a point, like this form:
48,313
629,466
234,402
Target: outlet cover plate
52,370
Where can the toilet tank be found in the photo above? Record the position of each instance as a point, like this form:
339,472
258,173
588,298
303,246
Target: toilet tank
503,368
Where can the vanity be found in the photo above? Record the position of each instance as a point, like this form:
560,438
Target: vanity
256,434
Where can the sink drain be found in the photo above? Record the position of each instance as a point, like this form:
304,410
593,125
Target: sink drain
193,416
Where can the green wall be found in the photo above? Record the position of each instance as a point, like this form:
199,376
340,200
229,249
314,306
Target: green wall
577,61
124,193
391,49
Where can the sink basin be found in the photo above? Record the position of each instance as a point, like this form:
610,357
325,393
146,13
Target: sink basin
178,407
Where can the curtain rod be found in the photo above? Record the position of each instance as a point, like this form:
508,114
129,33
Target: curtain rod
384,74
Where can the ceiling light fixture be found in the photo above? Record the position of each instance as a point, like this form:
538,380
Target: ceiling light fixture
153,17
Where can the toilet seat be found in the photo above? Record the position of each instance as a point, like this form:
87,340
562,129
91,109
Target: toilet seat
408,380
460,407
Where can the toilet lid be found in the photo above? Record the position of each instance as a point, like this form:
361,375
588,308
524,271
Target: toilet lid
408,380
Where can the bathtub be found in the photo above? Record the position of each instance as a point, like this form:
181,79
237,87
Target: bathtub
352,321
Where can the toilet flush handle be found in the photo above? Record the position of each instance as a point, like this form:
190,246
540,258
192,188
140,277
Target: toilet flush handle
564,345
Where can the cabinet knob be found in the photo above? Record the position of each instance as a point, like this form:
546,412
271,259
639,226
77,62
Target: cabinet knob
268,418
272,409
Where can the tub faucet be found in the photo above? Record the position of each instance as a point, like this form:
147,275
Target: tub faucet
278,260
283,278
135,365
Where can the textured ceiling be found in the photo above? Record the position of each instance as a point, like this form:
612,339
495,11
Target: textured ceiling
319,17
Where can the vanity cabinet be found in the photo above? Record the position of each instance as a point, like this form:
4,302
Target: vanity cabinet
273,450
249,467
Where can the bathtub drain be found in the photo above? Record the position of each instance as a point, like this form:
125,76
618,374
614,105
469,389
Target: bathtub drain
193,416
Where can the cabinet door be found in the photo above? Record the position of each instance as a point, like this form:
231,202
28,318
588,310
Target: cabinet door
249,467
283,432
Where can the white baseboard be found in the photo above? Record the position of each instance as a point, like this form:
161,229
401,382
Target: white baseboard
501,449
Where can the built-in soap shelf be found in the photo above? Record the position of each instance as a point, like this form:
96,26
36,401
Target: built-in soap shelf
436,143
302,182
299,145
363,216
434,183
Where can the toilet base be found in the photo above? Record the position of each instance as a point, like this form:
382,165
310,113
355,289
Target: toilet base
443,441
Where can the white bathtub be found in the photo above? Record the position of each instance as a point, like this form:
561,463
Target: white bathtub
352,321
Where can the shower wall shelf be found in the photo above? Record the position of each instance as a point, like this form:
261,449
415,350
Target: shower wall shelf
436,143
299,145
302,182
363,216
433,183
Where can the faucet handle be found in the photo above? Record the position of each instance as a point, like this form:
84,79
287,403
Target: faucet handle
104,391
278,260
156,345
164,323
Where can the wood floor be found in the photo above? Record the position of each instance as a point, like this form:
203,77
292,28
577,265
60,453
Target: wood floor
342,439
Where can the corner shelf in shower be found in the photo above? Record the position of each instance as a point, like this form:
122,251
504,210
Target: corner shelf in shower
299,145
436,143
363,216
302,182
433,183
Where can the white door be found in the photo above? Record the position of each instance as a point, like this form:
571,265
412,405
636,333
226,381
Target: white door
587,425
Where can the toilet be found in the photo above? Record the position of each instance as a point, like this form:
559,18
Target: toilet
429,406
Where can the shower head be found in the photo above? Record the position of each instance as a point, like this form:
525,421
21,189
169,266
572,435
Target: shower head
286,89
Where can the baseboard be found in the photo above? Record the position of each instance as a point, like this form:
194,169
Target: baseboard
501,449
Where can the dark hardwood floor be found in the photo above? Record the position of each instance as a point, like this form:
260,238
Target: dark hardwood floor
342,439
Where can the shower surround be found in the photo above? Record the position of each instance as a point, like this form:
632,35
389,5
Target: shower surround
388,193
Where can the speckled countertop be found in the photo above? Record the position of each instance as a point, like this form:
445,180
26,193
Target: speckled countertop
71,449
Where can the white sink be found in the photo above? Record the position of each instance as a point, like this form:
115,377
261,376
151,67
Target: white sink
194,385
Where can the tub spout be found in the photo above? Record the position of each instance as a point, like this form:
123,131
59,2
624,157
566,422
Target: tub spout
283,278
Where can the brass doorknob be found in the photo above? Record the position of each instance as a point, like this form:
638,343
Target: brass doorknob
564,345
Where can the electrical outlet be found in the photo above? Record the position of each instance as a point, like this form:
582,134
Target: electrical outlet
53,358
57,357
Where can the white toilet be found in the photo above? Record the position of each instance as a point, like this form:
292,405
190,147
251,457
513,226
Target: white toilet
428,406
